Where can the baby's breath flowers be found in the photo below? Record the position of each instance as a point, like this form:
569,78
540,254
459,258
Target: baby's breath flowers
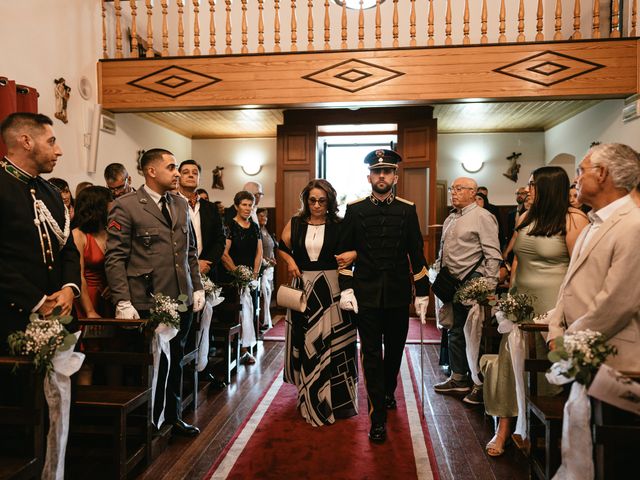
208,286
517,307
242,276
42,338
166,311
579,355
477,290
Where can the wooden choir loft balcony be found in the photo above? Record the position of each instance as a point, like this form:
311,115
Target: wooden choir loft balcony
207,54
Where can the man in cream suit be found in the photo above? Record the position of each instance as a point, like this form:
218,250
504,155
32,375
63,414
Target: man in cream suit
600,291
151,249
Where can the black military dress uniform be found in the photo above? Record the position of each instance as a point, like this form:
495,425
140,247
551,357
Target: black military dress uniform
387,238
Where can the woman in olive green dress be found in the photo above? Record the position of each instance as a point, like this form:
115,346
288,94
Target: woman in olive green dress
544,242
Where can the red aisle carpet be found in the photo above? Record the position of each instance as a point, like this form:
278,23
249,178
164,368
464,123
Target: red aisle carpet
430,334
276,443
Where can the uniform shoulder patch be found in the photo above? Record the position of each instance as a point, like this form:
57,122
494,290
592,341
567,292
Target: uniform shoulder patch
403,200
357,201
115,226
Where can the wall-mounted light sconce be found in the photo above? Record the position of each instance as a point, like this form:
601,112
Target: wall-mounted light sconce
251,167
472,165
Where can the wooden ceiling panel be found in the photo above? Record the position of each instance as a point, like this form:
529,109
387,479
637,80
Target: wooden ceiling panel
452,118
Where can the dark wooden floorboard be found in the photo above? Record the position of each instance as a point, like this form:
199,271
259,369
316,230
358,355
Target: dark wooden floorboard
458,431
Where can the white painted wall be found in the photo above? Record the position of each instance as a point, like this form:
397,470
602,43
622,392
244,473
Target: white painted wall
43,40
230,154
492,149
602,122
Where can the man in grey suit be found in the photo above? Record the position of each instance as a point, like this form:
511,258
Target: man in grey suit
151,249
600,291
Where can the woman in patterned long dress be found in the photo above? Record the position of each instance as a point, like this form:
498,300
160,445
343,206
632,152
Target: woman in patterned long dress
544,240
320,344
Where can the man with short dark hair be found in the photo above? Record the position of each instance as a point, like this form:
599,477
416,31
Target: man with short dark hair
39,263
207,226
151,249
384,231
599,292
117,179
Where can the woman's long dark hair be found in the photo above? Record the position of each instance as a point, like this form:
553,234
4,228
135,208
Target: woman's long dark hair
547,214
332,202
92,208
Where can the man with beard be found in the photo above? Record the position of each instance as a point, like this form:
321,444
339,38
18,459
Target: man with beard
385,232
39,263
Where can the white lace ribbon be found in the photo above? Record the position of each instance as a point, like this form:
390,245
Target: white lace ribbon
516,347
246,312
202,337
266,289
577,447
57,391
162,335
472,336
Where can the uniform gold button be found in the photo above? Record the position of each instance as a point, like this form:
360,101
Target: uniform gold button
50,267
13,304
20,310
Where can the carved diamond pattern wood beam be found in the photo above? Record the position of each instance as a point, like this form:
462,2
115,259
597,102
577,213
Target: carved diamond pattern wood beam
353,75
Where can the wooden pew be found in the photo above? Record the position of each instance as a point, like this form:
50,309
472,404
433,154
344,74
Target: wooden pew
616,439
225,332
22,420
544,414
118,416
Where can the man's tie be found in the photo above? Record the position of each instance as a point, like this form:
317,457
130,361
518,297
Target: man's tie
165,210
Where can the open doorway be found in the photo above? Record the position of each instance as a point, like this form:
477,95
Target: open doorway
341,157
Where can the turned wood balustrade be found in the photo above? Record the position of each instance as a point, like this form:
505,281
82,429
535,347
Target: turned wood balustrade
182,28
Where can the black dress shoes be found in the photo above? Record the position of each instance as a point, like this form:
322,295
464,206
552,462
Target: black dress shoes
184,429
378,432
390,402
213,381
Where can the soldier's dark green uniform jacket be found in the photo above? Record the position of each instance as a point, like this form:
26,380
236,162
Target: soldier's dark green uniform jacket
388,240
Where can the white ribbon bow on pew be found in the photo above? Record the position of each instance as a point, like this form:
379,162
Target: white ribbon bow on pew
57,391
202,338
162,335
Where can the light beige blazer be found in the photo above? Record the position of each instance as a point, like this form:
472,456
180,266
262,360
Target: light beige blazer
601,290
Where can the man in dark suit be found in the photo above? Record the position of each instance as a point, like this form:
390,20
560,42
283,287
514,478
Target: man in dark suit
207,226
151,249
384,231
39,263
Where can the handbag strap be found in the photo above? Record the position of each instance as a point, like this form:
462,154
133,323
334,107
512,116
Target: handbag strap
475,267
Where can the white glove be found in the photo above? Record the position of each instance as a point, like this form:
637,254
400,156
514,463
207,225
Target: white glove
198,300
348,300
421,304
253,284
125,310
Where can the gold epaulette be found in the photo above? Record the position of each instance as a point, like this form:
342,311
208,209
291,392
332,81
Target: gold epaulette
404,201
358,200
421,274
345,271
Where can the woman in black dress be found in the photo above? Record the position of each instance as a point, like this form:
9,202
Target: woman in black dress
244,247
320,344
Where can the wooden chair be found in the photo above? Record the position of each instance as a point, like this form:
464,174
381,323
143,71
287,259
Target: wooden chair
225,331
544,414
616,437
22,422
121,413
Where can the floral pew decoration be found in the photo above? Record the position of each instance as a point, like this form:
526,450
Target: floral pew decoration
242,279
212,299
50,345
513,309
474,293
164,321
576,358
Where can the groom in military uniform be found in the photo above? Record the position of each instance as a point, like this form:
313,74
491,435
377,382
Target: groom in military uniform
385,232
151,248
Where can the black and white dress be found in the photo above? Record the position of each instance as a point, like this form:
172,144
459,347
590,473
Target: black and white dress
320,344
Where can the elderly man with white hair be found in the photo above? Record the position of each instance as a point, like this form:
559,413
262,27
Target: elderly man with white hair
600,291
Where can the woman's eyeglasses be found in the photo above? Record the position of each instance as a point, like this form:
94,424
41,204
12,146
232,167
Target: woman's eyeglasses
319,201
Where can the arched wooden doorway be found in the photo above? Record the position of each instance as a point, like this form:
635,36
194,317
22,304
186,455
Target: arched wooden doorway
417,143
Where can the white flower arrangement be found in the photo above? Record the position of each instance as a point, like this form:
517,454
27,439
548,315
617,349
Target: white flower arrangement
517,307
42,338
579,355
166,311
242,276
209,287
477,290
